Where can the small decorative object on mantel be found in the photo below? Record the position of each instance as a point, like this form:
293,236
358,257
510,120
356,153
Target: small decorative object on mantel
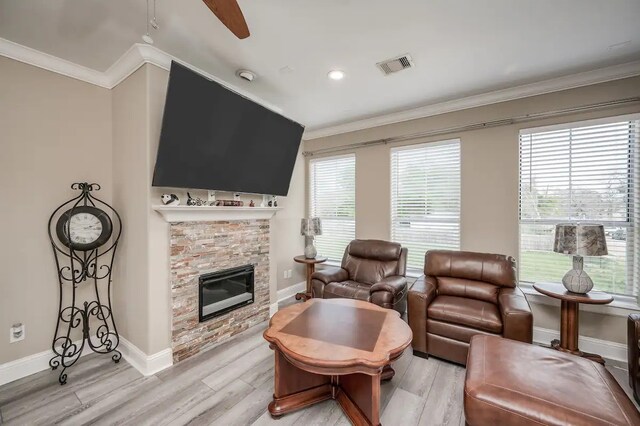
252,204
195,201
170,200
229,203
579,240
78,230
310,228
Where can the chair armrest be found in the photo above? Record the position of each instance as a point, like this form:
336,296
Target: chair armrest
421,294
517,319
330,275
395,284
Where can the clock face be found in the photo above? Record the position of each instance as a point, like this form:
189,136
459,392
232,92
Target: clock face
84,228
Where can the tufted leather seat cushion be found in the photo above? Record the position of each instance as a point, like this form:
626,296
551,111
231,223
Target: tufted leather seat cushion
347,289
468,312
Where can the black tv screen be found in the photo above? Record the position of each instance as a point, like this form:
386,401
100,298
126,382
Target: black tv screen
214,138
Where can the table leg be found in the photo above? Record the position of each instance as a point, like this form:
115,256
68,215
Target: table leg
569,331
569,321
311,268
357,394
387,373
295,388
359,398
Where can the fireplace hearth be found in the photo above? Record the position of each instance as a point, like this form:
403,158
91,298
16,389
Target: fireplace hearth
224,291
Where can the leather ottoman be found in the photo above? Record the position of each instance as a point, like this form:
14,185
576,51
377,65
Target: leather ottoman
515,383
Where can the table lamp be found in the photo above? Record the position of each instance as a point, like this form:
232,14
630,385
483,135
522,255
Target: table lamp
310,228
579,240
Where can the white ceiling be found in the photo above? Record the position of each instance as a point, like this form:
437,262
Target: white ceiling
460,48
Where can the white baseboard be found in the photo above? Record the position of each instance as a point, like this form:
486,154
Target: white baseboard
31,364
291,290
607,349
146,364
273,308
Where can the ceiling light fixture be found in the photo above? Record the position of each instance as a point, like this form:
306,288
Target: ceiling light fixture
246,75
336,75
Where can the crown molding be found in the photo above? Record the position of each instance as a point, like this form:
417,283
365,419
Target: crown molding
135,57
586,78
139,54
51,63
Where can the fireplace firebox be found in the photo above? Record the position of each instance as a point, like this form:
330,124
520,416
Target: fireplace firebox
223,291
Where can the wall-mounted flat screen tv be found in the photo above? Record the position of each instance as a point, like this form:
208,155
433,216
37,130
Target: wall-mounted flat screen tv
214,138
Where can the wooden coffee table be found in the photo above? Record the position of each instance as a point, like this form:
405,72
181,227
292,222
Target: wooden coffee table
334,349
569,316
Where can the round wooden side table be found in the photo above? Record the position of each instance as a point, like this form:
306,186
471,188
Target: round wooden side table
569,316
311,268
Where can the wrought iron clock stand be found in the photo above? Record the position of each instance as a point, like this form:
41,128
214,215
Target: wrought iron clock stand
84,265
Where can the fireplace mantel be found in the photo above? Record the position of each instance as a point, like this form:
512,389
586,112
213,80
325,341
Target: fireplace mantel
175,214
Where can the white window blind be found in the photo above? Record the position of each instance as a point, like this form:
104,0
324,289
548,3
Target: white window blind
333,200
584,173
425,198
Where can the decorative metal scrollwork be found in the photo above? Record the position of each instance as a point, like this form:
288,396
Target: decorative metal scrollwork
78,268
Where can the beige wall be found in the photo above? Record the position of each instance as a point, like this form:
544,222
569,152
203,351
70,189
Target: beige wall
286,240
159,300
130,166
489,176
54,131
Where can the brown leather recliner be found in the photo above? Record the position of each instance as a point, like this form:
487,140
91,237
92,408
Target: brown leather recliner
371,270
463,294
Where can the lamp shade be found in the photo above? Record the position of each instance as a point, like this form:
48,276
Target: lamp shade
311,227
583,240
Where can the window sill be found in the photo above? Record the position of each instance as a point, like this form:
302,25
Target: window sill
621,306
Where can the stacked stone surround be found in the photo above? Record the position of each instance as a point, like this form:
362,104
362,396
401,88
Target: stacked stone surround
201,247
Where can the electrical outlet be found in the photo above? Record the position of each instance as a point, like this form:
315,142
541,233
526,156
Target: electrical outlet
16,332
289,273
285,274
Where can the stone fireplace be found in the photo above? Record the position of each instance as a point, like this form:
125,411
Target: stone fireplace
199,248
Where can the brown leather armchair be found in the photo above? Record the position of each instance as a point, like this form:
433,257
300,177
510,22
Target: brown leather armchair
371,270
463,294
633,355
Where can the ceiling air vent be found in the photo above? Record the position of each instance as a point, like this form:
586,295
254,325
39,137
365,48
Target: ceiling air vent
394,65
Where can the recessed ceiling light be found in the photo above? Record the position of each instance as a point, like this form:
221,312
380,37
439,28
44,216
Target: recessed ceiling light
336,75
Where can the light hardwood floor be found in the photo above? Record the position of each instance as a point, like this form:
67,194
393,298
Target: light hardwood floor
230,384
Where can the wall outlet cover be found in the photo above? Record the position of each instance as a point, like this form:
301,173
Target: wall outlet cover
12,333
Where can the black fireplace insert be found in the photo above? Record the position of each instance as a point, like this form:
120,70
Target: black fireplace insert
223,291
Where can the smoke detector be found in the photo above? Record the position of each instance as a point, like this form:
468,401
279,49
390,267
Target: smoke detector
246,75
393,65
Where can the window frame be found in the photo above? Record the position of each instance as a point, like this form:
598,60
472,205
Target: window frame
310,198
412,270
621,301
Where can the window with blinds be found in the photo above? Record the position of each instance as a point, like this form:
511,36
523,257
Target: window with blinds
425,198
333,199
582,173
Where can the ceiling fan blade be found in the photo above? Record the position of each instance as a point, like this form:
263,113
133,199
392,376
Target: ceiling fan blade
229,13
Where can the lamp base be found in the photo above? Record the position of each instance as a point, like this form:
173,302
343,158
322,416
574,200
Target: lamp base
577,280
310,251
